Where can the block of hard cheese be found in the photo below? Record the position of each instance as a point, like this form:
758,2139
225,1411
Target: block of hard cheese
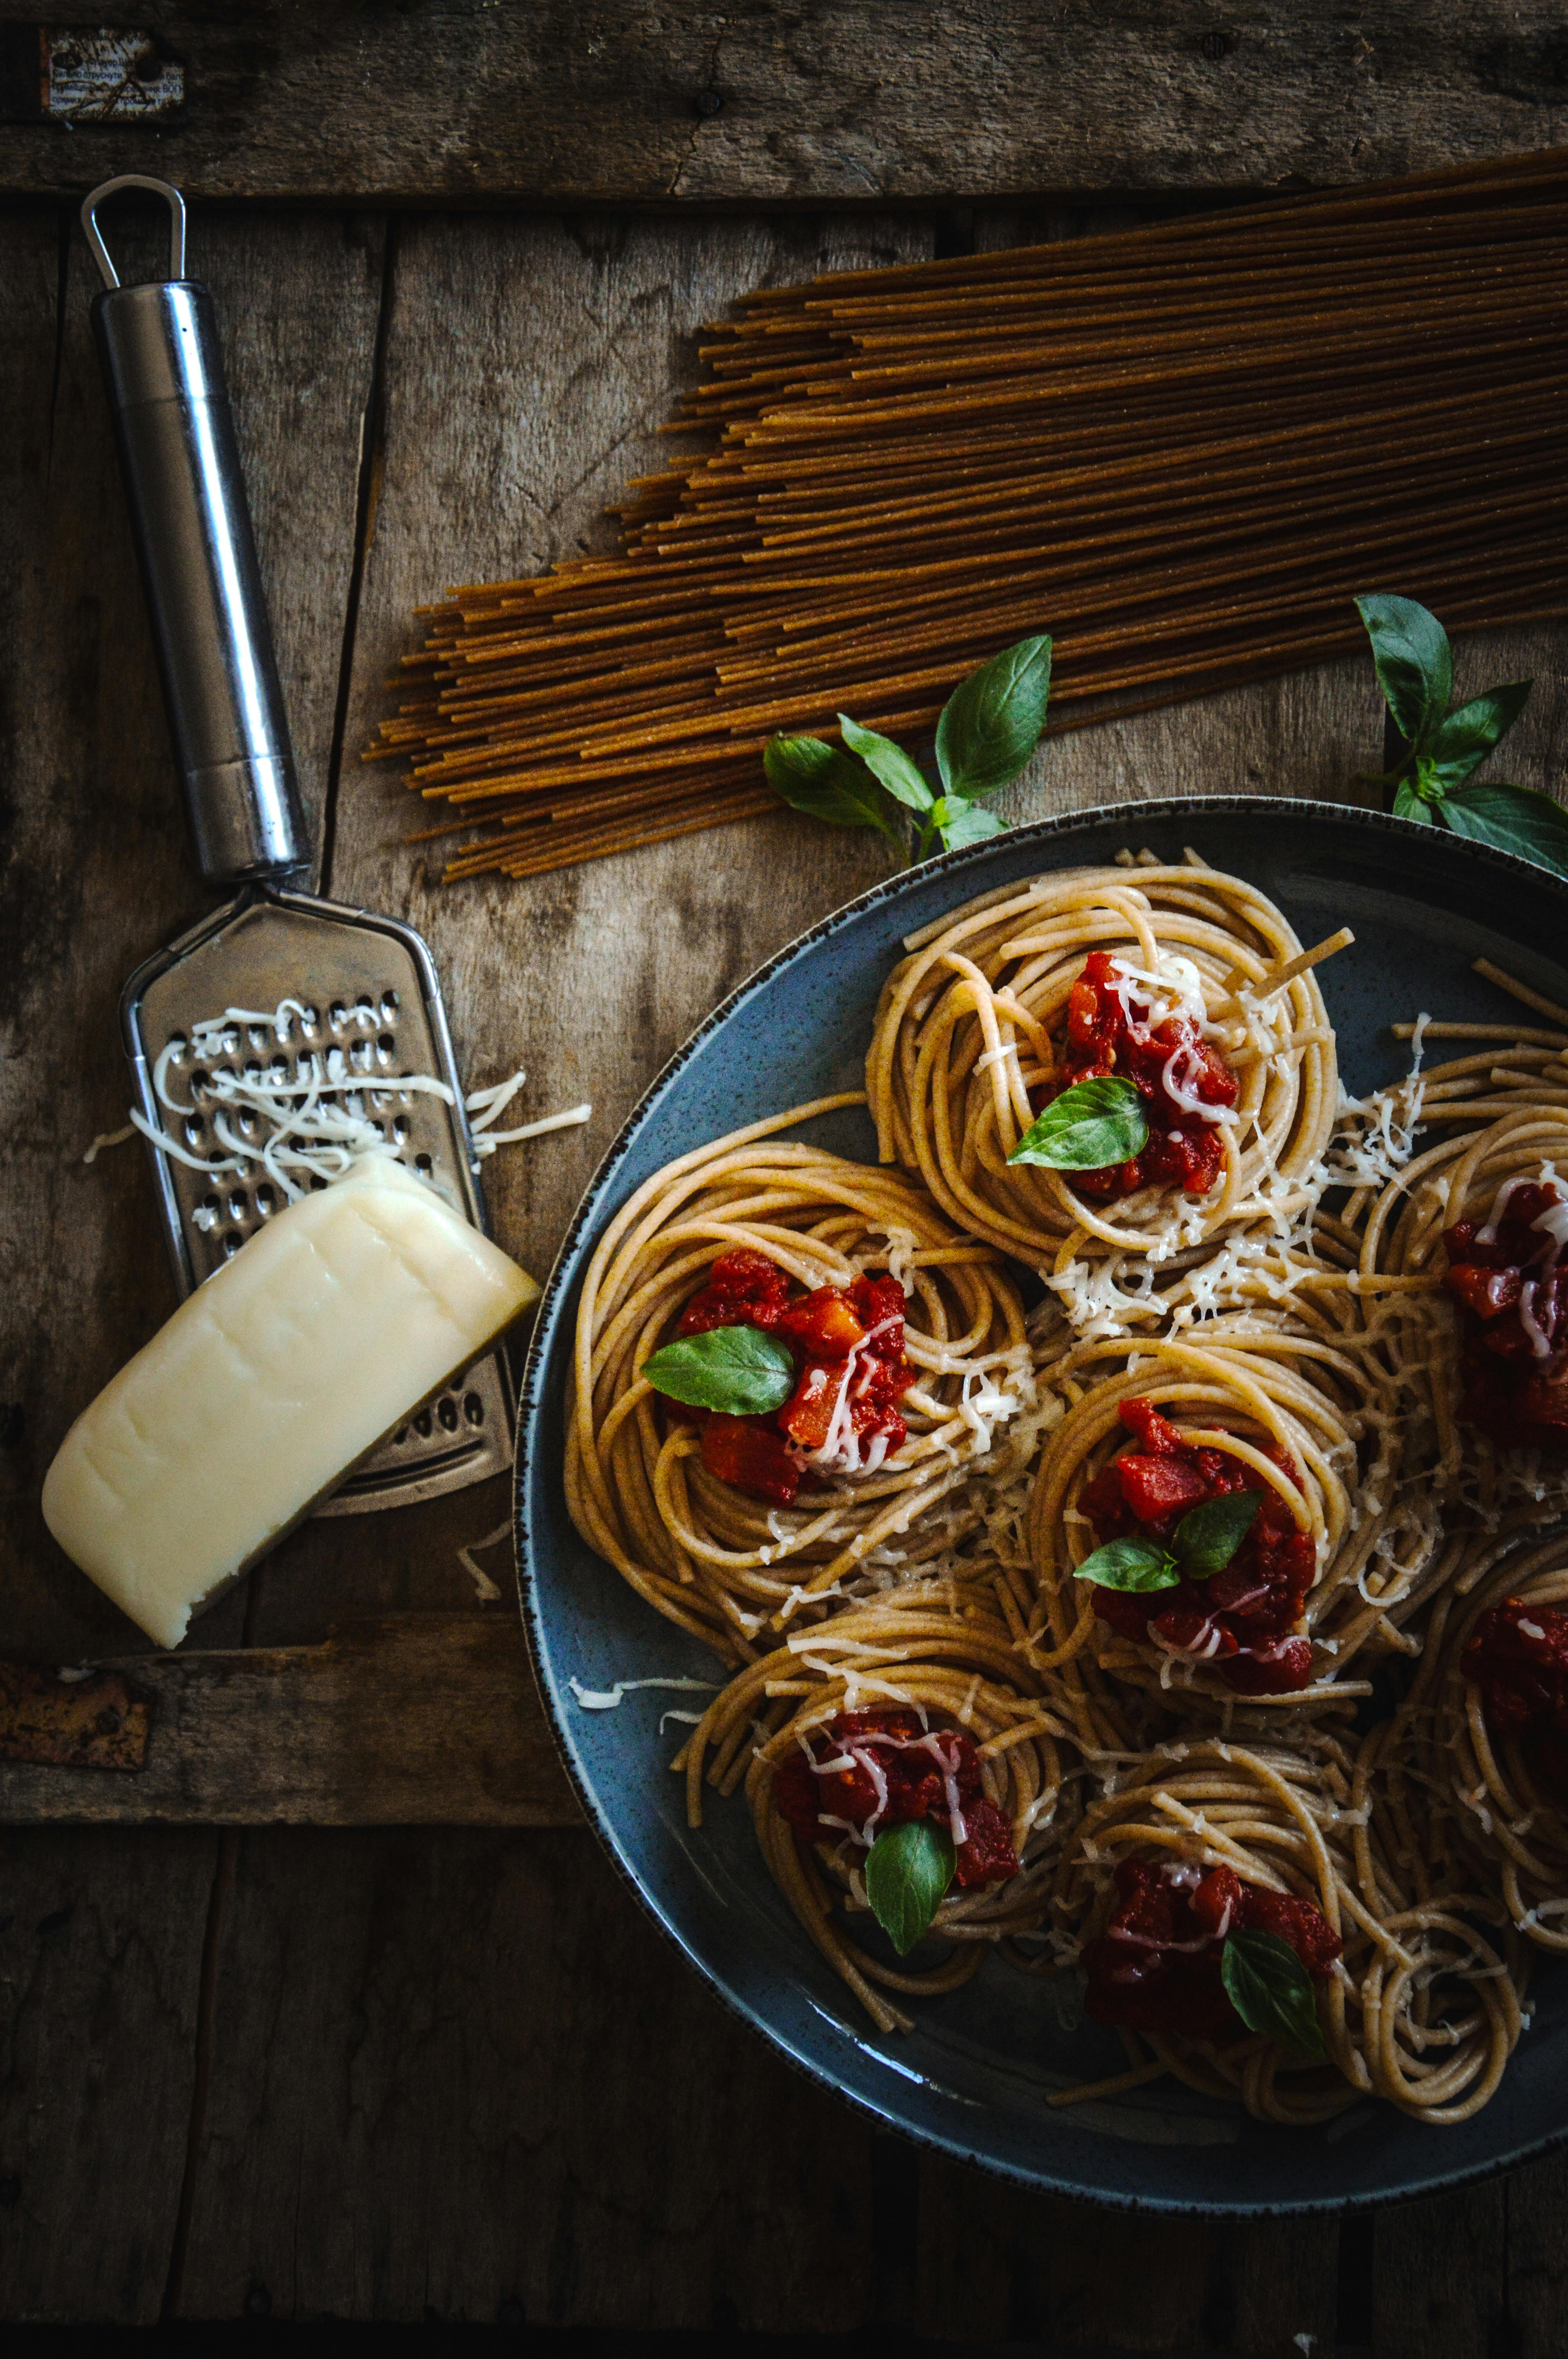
326,1329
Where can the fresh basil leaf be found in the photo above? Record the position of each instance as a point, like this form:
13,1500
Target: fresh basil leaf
1270,1990
1209,1537
740,1371
1514,819
1090,1125
827,784
908,1869
1415,665
1462,743
1408,804
958,822
991,723
1130,1564
889,763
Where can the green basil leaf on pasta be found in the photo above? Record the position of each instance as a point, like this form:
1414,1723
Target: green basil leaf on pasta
889,763
827,784
908,1869
1130,1564
739,1371
1514,819
959,822
1414,664
1209,1537
1090,1125
991,723
1271,1991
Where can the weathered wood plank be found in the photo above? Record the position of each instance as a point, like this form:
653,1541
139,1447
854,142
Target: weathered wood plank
824,101
422,1718
1538,2257
1273,2288
101,1943
998,2263
1439,2277
458,2071
96,869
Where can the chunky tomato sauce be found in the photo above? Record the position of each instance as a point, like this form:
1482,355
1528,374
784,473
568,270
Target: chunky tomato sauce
866,1771
1156,1966
1513,1301
1108,1034
848,1345
1243,1618
1517,1656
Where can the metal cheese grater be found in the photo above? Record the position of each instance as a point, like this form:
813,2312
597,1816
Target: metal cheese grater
361,986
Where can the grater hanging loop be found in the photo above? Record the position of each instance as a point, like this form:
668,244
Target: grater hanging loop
100,254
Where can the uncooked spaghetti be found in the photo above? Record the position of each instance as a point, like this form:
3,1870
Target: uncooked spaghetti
1181,450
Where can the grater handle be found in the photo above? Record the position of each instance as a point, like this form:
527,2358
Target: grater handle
191,523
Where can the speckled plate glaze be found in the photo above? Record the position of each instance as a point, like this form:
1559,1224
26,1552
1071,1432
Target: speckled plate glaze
973,2077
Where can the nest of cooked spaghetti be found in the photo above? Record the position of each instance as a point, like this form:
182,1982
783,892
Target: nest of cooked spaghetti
1130,1513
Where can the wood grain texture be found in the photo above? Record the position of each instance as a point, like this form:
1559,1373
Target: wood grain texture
1440,2278
95,873
1537,2258
100,1962
814,100
421,1718
457,2072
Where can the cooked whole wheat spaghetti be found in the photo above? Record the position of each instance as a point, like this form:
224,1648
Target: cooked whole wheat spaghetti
1422,2006
951,1662
972,1021
1347,1734
1500,1818
720,1563
1303,1415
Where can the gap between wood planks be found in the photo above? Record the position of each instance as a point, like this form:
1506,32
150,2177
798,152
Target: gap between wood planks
372,453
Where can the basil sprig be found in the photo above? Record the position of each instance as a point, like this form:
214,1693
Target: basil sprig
1442,749
1205,1541
1271,1991
1091,1124
908,1869
739,1371
989,727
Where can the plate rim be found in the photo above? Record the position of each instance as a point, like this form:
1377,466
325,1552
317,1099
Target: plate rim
1159,809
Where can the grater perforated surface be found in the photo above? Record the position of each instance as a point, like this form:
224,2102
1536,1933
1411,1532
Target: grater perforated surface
369,997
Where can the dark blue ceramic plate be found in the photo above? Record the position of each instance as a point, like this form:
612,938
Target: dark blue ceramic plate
973,2077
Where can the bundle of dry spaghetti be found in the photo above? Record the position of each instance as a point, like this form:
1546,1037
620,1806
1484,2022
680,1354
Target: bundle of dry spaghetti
710,1557
950,1663
1179,449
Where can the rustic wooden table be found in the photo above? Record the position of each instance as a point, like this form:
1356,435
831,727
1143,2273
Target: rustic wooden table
335,2007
